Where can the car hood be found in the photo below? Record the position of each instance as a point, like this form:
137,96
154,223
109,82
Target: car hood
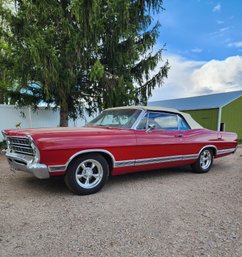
60,131
47,138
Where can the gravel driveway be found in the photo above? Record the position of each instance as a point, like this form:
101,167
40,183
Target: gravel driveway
172,212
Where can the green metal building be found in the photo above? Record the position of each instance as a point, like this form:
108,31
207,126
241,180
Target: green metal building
222,112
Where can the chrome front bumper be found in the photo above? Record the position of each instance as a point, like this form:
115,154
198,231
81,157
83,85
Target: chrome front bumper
23,163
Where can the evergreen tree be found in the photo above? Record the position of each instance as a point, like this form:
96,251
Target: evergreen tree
76,53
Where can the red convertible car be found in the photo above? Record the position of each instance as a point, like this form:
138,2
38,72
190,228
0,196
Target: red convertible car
119,140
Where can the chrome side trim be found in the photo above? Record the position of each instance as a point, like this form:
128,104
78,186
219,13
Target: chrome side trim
57,168
165,159
224,151
119,164
190,157
158,160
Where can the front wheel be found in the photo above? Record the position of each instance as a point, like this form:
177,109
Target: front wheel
204,161
87,174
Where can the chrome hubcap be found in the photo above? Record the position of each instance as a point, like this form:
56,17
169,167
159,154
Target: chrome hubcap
205,159
89,173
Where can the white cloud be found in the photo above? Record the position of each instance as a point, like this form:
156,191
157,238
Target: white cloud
220,22
191,78
235,44
217,8
179,79
197,50
224,29
221,32
218,76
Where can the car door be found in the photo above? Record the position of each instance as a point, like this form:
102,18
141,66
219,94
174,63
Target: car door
159,138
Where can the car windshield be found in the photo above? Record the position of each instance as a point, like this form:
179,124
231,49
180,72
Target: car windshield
117,118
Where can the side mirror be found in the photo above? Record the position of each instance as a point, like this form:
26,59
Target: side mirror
150,127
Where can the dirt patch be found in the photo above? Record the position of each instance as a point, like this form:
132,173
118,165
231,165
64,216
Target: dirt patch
171,212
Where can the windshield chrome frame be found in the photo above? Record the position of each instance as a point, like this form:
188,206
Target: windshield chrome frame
139,118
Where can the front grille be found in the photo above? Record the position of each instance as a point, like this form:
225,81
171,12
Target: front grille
21,145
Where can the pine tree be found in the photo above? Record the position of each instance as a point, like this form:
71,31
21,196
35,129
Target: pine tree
76,53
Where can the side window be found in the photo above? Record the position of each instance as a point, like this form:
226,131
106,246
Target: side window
161,120
183,124
167,121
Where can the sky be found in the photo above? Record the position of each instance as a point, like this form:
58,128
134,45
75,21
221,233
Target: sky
203,42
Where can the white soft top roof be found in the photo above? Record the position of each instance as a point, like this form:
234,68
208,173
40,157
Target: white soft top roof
191,122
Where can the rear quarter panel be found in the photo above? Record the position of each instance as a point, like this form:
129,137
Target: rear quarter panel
195,140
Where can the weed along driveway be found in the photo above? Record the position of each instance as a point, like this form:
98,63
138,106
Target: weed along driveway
172,212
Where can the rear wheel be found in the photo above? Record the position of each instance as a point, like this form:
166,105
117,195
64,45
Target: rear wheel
87,174
204,161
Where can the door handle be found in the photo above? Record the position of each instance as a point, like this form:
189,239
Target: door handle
179,135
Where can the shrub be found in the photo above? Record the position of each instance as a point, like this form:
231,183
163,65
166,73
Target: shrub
3,144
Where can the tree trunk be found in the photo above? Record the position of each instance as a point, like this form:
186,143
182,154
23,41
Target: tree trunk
64,115
1,97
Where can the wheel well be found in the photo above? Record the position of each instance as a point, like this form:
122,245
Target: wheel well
210,147
214,150
105,155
